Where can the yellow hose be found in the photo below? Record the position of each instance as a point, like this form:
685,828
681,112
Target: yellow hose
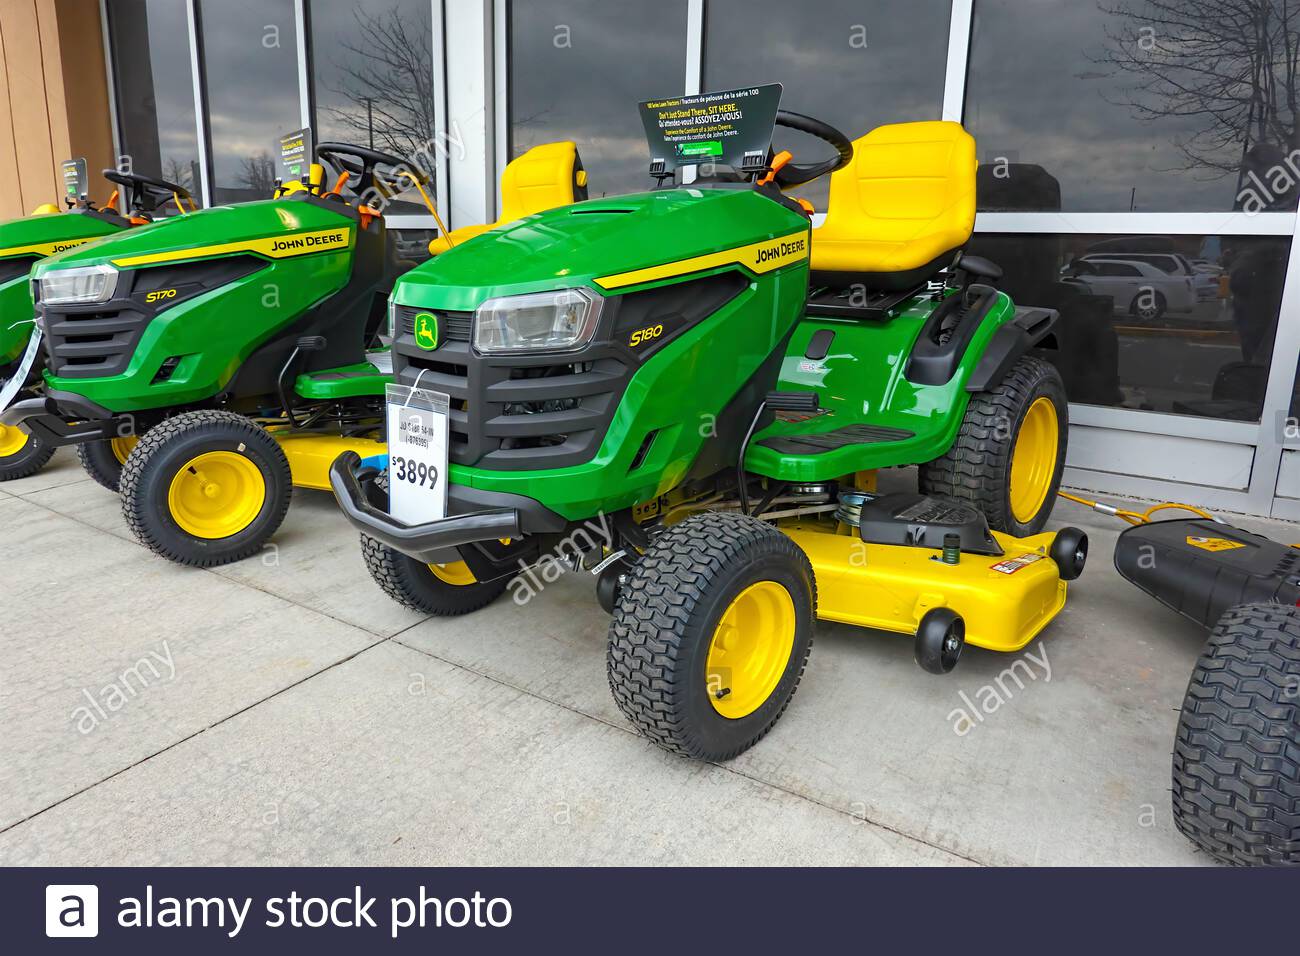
1135,517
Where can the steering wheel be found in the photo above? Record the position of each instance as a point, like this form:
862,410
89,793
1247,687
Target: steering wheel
792,174
361,161
146,192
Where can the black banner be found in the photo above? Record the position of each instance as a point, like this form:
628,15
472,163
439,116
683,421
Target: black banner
196,911
732,128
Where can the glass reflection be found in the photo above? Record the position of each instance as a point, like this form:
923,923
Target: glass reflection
1147,105
1180,324
578,69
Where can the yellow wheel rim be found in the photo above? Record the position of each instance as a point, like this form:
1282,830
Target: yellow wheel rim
1033,459
750,649
216,494
12,440
122,447
456,573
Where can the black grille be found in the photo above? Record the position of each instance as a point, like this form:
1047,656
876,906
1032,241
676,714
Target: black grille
452,326
85,344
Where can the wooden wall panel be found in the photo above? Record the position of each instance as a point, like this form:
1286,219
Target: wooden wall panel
53,98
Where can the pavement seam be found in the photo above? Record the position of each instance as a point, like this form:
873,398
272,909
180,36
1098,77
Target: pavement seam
625,729
189,737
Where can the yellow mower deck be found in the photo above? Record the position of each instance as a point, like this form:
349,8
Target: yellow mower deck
891,587
310,455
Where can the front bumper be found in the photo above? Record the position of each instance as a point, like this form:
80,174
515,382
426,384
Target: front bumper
477,516
62,418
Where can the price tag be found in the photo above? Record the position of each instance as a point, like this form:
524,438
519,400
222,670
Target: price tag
417,454
15,384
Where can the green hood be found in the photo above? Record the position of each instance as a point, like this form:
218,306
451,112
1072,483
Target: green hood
42,235
576,245
207,232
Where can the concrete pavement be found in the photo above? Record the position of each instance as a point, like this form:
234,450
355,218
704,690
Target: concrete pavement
284,711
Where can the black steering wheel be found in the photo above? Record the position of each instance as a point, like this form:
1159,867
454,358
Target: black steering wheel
361,162
146,193
792,174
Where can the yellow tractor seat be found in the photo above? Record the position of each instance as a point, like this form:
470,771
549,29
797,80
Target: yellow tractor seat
46,209
900,211
543,178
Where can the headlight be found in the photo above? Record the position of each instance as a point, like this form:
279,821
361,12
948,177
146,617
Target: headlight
83,284
537,322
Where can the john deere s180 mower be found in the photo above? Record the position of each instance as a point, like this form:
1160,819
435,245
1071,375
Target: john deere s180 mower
687,392
22,243
240,345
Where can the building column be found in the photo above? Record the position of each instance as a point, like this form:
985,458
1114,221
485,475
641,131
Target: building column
471,125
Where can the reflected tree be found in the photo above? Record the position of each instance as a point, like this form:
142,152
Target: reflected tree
258,173
386,78
1231,65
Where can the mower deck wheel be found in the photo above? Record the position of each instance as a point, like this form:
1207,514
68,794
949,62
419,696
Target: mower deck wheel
940,638
1070,552
1236,766
711,633
21,454
1009,452
103,460
205,488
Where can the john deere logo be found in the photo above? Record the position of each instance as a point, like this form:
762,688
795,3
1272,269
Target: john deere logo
426,330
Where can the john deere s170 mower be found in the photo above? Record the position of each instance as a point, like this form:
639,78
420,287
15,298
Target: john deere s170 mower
22,243
240,344
687,392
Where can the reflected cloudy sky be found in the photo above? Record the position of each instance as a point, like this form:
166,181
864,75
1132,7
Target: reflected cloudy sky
252,85
618,55
151,50
1040,90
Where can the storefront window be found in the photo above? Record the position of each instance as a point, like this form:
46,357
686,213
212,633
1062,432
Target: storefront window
150,46
372,75
578,69
250,59
1139,106
854,65
1180,324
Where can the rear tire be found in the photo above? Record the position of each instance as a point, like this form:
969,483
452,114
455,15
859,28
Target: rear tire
103,460
21,460
673,627
997,463
1236,766
205,488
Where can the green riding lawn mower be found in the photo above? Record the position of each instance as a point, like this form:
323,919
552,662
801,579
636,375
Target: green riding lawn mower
688,392
236,351
24,242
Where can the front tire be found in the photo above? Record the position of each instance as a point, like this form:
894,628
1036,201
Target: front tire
205,488
711,634
1009,452
21,454
103,460
443,590
1236,766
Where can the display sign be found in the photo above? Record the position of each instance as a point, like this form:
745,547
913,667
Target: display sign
295,154
417,454
76,183
732,128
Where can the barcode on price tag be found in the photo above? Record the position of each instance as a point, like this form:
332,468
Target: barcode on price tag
417,454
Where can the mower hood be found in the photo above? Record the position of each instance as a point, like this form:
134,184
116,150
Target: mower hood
51,234
256,227
586,243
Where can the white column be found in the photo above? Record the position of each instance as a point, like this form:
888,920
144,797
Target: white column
471,125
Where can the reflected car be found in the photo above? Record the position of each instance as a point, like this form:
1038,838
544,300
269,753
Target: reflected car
1138,288
1205,283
